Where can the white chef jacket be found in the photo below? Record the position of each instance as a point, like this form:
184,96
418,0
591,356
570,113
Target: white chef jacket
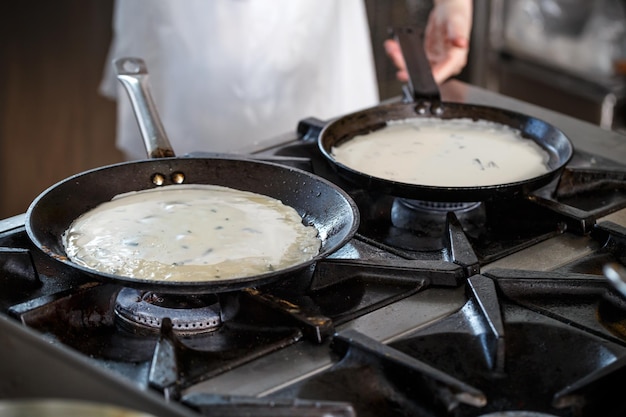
226,74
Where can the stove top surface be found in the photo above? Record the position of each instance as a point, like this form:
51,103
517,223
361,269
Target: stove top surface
429,310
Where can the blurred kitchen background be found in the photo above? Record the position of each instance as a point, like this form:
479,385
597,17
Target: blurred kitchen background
565,55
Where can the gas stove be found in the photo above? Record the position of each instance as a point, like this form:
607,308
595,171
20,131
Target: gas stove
432,309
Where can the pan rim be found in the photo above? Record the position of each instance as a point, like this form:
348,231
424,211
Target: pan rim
427,109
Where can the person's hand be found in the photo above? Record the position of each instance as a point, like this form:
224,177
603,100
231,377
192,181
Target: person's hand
446,40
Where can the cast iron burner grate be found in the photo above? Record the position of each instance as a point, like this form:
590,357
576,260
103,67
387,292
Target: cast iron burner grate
493,356
589,188
576,292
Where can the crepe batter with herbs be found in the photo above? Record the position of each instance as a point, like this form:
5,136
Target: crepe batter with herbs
445,153
193,232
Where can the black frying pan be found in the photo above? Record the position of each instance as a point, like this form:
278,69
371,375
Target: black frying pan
426,102
319,202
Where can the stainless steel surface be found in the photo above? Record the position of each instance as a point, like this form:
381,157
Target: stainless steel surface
547,255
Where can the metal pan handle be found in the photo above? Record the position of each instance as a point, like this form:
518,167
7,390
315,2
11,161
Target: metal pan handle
133,74
422,85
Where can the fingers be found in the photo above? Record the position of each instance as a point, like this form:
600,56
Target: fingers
392,48
451,65
458,30
456,16
447,56
444,64
447,37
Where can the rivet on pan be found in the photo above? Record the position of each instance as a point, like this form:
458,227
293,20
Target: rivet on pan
158,179
178,177
422,108
437,109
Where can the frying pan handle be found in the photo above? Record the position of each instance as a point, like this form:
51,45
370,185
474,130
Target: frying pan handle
133,74
422,85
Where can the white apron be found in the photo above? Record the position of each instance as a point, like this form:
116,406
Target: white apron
226,74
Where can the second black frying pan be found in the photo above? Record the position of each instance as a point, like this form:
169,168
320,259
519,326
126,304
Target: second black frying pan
320,203
427,103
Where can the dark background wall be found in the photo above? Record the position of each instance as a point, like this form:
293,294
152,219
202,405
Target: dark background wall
53,123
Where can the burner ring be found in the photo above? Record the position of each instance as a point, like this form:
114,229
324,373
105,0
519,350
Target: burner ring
141,308
438,206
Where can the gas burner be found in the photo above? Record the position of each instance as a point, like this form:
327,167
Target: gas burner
189,314
417,229
427,219
438,206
